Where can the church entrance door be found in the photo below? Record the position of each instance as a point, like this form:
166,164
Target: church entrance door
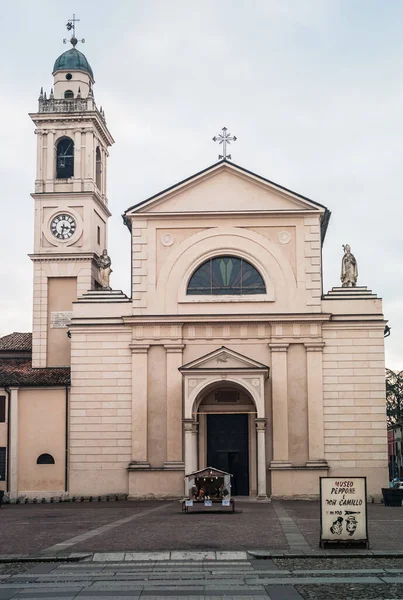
228,448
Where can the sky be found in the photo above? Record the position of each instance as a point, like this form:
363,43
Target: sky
312,89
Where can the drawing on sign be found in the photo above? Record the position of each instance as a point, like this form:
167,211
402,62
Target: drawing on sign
337,526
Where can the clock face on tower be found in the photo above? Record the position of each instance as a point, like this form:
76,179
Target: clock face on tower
63,226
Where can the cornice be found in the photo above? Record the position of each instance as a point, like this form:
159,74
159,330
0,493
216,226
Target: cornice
287,213
92,116
74,196
256,319
65,257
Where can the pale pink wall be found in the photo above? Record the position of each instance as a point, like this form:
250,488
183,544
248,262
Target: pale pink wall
62,292
41,429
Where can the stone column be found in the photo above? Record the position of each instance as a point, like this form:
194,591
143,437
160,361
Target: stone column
139,407
191,464
50,161
280,405
261,458
13,444
316,447
77,161
174,407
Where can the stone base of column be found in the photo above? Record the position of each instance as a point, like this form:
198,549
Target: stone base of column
280,464
174,465
317,463
263,498
139,465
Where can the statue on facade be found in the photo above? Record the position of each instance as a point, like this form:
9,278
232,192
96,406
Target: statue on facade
104,265
349,268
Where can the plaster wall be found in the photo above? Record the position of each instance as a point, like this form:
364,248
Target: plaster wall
80,268
62,292
279,235
354,402
100,410
41,430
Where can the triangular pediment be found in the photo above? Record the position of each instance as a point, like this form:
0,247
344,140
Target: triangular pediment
225,188
223,359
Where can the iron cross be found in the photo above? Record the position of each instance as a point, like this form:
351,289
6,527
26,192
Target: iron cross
71,25
224,138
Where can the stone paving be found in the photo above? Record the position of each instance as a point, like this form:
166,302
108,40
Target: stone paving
147,526
264,550
201,575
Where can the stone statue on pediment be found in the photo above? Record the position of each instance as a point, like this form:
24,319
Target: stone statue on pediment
349,268
104,270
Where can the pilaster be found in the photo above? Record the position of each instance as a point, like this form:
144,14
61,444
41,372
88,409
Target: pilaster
280,405
261,458
13,444
77,161
174,406
50,159
316,449
139,407
190,427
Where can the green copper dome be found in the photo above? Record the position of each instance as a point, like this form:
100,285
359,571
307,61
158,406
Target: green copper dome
73,60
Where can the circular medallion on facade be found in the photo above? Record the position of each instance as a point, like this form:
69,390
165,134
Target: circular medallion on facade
255,382
192,383
167,239
284,237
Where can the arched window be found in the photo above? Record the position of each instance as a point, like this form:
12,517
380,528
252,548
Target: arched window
226,275
69,94
45,459
65,158
98,167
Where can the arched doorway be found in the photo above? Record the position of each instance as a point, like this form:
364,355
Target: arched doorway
225,370
226,415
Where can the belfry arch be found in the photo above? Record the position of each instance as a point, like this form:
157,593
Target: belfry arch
220,371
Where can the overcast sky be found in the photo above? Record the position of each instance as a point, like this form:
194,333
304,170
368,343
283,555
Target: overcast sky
313,90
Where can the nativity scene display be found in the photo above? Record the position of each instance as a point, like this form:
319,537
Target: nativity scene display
208,487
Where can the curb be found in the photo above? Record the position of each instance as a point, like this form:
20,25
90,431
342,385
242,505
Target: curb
18,558
252,555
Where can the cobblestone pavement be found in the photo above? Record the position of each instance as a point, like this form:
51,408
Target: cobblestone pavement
155,525
228,575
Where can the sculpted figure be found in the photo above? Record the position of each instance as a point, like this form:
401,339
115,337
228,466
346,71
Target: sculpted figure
104,266
349,269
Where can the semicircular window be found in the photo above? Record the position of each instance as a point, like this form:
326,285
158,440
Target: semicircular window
226,275
45,459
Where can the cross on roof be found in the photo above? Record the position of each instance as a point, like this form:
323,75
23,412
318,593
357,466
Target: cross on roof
224,138
71,25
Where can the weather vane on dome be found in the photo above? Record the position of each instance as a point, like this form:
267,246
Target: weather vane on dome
71,25
224,138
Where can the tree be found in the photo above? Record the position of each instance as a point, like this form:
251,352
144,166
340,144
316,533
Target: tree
394,396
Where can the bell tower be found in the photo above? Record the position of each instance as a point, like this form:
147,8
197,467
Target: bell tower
71,205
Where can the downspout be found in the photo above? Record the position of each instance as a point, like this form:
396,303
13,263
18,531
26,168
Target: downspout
8,392
66,449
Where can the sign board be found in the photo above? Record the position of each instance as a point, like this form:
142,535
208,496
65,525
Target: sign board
188,502
208,503
60,319
343,510
226,502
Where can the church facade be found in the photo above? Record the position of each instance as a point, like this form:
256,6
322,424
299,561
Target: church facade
226,354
